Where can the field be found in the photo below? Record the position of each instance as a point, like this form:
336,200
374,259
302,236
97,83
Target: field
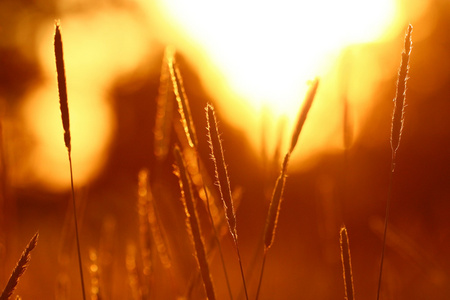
136,240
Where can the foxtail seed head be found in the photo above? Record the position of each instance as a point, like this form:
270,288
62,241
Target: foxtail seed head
304,113
182,101
221,169
62,87
400,97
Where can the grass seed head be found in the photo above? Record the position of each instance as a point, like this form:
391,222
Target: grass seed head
62,87
182,101
20,268
164,109
221,172
400,97
275,205
193,222
304,113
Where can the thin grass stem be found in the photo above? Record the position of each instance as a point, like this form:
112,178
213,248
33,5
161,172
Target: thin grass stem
182,101
346,264
223,181
191,135
386,222
261,273
193,223
396,133
80,263
216,235
64,107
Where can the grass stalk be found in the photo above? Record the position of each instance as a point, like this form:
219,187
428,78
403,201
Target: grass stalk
182,101
400,97
193,223
261,273
155,225
223,181
310,95
346,264
216,235
20,268
190,132
221,169
164,110
277,196
272,216
64,107
275,206
396,133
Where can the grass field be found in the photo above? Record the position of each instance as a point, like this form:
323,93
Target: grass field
141,239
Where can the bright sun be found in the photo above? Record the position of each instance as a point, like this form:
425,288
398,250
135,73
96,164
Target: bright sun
253,57
269,49
262,53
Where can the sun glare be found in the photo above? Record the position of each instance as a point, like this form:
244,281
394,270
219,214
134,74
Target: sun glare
265,52
255,58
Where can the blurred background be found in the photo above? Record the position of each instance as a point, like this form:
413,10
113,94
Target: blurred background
253,61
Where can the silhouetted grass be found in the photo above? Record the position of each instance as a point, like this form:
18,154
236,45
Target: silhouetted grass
197,189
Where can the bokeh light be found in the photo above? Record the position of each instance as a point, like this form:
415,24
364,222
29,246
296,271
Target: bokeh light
98,49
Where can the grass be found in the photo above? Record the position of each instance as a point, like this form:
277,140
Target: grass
207,222
64,107
19,269
396,134
346,264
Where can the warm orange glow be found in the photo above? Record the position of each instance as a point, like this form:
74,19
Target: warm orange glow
254,58
97,49
258,56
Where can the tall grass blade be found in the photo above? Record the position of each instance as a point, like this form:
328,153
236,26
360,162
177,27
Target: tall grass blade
153,221
310,95
272,216
223,181
277,195
220,169
193,223
190,133
62,88
275,206
346,264
164,109
20,268
396,133
182,101
400,97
